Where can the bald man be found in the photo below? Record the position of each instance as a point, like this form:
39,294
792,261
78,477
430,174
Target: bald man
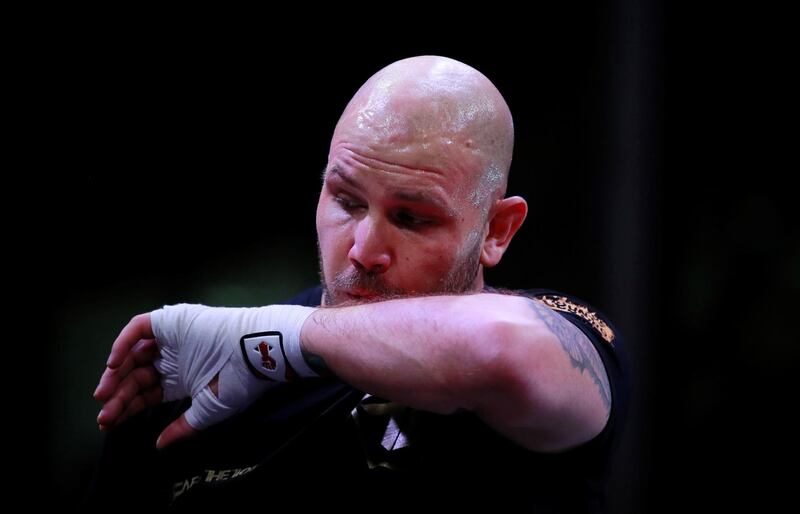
402,375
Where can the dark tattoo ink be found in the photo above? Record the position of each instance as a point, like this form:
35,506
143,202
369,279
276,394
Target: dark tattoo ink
578,347
316,363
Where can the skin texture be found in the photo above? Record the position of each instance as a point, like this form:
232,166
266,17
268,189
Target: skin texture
411,211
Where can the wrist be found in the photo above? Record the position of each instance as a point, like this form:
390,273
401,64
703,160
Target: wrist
314,360
316,363
276,354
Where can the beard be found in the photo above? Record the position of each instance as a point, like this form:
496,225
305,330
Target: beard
460,279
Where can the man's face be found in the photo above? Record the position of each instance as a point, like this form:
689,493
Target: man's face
388,226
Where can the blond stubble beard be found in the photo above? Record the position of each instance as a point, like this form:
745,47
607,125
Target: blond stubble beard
459,280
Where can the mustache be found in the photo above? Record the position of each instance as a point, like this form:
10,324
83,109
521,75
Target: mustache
354,279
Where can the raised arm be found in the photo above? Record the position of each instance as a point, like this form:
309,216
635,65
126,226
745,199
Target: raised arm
524,369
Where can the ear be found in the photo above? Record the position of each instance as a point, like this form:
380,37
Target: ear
505,219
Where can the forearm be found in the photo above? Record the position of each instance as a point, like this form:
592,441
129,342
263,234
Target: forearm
437,353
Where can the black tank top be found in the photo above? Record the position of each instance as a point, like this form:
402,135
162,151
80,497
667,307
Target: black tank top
315,444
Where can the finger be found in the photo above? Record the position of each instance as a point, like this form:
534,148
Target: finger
138,328
137,381
143,353
147,399
176,431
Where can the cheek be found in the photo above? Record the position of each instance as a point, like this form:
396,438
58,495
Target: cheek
429,257
332,233
329,214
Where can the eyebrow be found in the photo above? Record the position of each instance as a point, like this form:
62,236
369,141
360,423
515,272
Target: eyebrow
408,196
334,170
419,197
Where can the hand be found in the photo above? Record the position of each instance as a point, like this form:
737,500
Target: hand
187,350
131,382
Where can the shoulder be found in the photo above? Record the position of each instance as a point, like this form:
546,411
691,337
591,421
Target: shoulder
606,339
578,311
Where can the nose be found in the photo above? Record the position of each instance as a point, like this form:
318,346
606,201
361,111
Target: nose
370,252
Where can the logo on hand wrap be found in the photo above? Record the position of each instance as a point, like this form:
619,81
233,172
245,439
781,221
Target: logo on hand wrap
266,360
264,354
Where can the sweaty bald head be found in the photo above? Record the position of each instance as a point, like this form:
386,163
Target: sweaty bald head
434,114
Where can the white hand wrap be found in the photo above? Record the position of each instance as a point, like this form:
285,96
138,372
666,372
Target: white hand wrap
197,342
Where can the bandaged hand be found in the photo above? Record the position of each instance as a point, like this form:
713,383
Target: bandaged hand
175,352
198,342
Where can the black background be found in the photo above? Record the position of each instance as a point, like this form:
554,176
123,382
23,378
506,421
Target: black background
164,155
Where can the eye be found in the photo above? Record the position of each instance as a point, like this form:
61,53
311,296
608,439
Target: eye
348,203
409,220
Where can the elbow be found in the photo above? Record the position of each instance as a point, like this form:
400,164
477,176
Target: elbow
501,338
529,395
503,368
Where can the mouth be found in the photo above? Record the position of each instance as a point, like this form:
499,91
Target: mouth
359,294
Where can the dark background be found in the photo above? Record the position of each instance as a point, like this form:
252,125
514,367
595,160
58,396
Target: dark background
180,162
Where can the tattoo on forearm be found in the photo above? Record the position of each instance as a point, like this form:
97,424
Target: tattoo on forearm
316,363
575,343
